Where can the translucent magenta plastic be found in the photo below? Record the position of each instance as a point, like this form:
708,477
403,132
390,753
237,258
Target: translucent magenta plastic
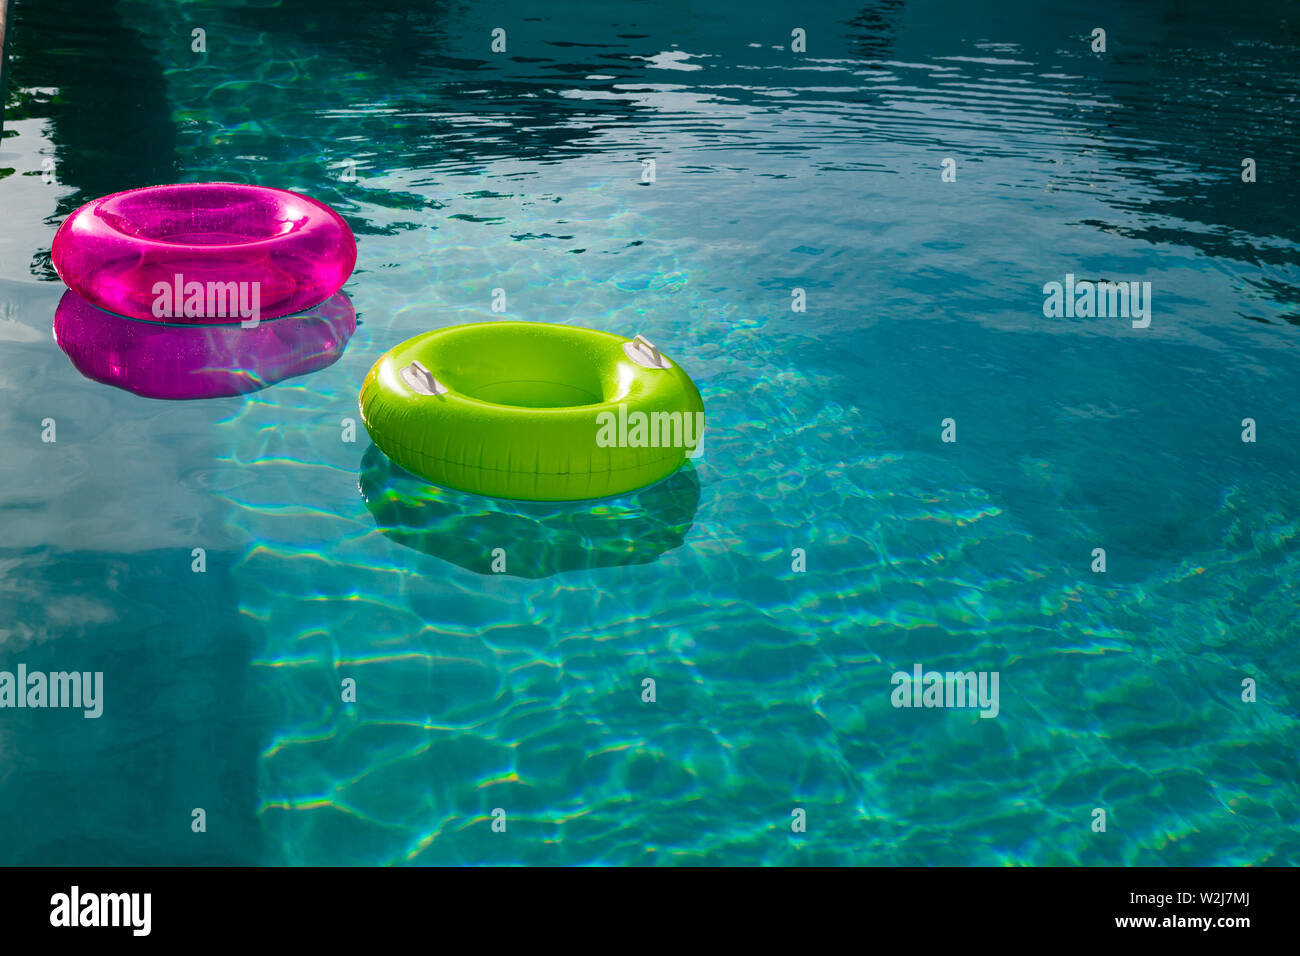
188,361
204,253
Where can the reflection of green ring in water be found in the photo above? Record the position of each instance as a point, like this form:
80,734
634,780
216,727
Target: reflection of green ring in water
539,538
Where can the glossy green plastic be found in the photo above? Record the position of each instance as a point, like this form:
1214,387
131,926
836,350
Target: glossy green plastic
531,411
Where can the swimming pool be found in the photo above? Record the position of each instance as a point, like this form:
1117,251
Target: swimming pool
779,180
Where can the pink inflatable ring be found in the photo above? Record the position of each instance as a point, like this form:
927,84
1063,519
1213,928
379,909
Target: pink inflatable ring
204,253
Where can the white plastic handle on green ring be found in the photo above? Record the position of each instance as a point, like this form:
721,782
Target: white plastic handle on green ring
645,353
420,379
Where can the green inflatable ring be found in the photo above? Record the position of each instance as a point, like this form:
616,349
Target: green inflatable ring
532,411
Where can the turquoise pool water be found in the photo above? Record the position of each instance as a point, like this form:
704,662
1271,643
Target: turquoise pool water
773,171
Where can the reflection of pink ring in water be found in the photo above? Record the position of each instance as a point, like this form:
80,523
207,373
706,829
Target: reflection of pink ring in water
125,252
186,361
